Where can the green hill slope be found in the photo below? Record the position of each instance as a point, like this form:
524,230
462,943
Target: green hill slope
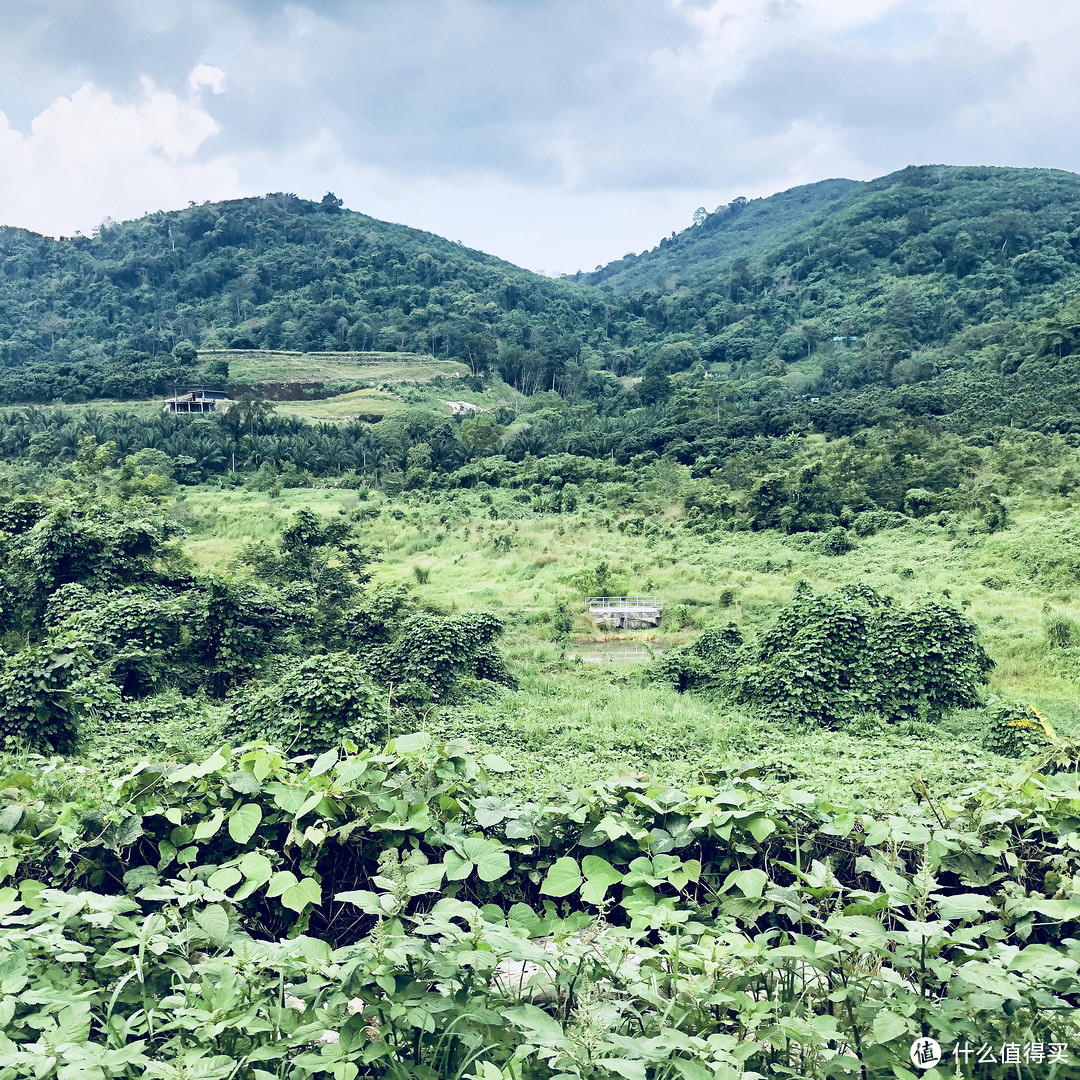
936,287
278,273
742,227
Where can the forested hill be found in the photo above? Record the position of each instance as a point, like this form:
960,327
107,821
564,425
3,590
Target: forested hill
934,276
278,272
742,227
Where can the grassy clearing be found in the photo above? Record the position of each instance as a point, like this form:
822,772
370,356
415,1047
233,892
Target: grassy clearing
392,395
359,404
574,721
254,366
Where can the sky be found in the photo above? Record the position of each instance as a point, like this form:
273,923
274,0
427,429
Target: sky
558,134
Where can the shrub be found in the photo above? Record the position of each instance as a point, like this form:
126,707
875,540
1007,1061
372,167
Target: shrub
837,541
322,701
871,521
918,502
832,656
704,664
38,710
562,624
434,655
1061,631
1015,730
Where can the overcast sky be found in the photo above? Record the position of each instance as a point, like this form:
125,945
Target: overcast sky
559,134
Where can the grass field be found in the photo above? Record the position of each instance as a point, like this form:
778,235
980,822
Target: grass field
573,721
255,366
388,382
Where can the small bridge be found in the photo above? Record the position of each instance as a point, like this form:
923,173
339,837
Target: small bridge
625,612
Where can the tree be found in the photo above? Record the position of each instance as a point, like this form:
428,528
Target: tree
185,352
655,386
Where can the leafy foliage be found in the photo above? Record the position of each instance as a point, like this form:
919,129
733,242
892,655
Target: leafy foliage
706,663
625,929
38,710
1016,730
832,656
829,657
322,701
432,655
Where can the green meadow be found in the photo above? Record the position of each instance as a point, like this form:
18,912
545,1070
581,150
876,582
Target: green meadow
572,720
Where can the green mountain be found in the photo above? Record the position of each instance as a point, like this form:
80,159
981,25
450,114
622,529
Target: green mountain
926,315
276,273
905,266
742,227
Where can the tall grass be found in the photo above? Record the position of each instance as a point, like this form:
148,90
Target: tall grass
573,723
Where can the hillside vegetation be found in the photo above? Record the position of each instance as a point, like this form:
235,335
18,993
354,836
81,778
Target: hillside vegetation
314,764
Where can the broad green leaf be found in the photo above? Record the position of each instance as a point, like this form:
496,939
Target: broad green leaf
489,858
214,922
140,876
494,763
889,1025
991,979
350,770
600,875
282,880
205,829
457,868
863,928
243,822
693,1070
534,1019
364,899
493,865
265,765
965,906
297,897
256,866
761,828
840,825
563,878
476,847
73,1023
309,804
324,762
243,783
627,1067
425,879
749,882
225,878
412,743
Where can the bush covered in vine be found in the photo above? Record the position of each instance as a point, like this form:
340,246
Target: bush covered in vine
1015,730
322,701
831,656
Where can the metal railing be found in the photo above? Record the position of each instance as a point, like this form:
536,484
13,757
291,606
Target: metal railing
623,603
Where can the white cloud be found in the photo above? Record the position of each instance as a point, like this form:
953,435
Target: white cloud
88,156
206,75
556,134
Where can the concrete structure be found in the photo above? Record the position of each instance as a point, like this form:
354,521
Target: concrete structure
625,612
194,400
